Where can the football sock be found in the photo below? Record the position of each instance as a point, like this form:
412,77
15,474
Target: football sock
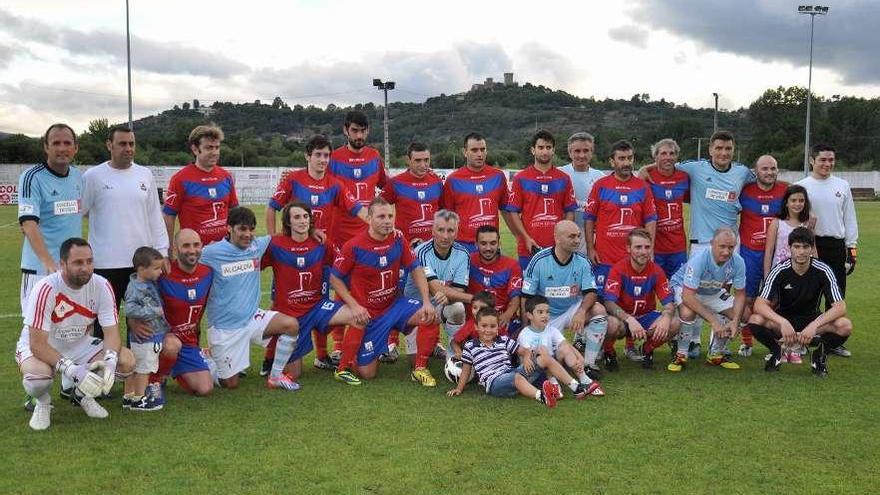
695,336
394,338
37,386
166,364
832,340
717,344
630,342
539,395
594,334
686,336
350,346
573,385
584,379
426,338
747,336
767,337
284,347
320,345
338,333
270,348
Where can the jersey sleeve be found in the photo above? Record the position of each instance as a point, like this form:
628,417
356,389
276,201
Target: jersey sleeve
662,289
613,283
174,195
570,199
29,198
503,192
344,262
687,167
282,194
511,345
770,290
39,307
739,273
530,278
515,197
107,315
446,195
389,192
649,208
691,274
233,196
464,332
345,200
408,259
135,306
591,211
461,273
830,289
466,356
515,282
556,337
267,260
588,281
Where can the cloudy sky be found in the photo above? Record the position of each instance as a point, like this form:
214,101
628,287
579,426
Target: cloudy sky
65,60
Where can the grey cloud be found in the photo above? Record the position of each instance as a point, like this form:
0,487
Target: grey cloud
9,51
541,62
147,55
630,34
846,40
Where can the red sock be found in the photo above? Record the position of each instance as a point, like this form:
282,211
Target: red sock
651,344
747,336
426,340
350,345
320,345
394,338
608,346
270,348
630,342
183,384
166,364
338,333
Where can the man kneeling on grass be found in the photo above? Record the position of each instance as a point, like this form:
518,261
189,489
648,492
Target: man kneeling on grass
787,310
489,356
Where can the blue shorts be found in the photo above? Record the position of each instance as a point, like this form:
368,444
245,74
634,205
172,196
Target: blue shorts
189,360
376,333
470,246
513,328
317,319
754,269
671,262
600,273
504,385
524,262
646,320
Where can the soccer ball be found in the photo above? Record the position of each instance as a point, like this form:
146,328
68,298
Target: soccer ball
452,370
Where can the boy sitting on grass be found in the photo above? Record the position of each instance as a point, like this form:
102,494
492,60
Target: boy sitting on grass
482,299
489,356
547,341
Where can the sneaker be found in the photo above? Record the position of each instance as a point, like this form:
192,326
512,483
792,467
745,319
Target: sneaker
144,403
559,394
771,365
90,406
677,364
439,352
841,351
721,360
156,393
694,350
66,393
794,357
423,376
40,419
782,359
243,373
818,361
610,360
583,391
283,382
335,357
633,354
127,400
29,403
391,355
324,364
579,343
548,394
647,359
346,376
745,350
596,389
593,372
266,368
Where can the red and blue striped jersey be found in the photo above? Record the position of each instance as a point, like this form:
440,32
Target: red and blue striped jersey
360,173
415,201
637,292
324,196
501,277
670,193
617,207
201,200
299,271
476,197
543,199
372,269
759,208
184,296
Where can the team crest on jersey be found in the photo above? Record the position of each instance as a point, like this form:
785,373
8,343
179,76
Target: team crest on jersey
421,195
544,188
637,290
669,194
383,261
357,173
623,198
300,261
600,279
212,191
487,281
479,188
368,345
314,200
143,187
765,209
191,294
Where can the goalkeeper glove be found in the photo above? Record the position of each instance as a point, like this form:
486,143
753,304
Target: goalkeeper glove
850,264
111,358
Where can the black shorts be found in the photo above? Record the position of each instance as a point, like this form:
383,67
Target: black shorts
800,322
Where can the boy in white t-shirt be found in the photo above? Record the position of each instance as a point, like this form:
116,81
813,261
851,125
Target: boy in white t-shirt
549,341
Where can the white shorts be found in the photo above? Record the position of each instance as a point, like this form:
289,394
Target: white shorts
717,303
230,348
28,281
80,352
564,320
146,357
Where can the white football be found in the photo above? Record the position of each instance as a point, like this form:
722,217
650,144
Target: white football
452,370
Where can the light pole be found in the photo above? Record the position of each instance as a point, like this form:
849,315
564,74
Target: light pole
812,11
715,118
128,59
385,86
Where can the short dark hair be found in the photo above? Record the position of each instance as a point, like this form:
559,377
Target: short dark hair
820,147
117,128
721,136
802,235
285,216
483,229
377,201
59,125
483,313
67,245
545,135
356,117
318,142
415,146
241,215
144,256
622,145
484,297
534,301
476,136
794,189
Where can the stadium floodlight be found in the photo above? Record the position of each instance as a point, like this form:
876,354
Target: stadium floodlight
812,11
385,87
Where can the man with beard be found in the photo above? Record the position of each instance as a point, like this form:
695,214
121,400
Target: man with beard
498,275
415,194
582,175
540,196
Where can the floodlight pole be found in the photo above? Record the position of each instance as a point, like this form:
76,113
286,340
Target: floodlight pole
384,87
812,11
128,60
715,119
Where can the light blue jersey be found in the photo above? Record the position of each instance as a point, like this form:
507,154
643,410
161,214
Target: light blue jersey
564,285
235,291
53,201
452,271
714,196
708,278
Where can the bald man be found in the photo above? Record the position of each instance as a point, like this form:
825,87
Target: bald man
562,274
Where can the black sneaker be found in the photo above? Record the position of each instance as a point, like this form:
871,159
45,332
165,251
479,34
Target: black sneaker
29,403
579,343
66,393
610,361
593,372
647,359
771,365
817,361
266,367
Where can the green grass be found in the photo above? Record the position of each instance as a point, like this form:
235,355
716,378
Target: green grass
703,431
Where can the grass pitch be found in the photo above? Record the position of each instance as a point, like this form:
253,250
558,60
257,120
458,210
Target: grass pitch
705,430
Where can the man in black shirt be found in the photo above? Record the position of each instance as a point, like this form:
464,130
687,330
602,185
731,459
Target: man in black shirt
787,309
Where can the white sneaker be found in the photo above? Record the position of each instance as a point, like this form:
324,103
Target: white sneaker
40,418
745,350
92,408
